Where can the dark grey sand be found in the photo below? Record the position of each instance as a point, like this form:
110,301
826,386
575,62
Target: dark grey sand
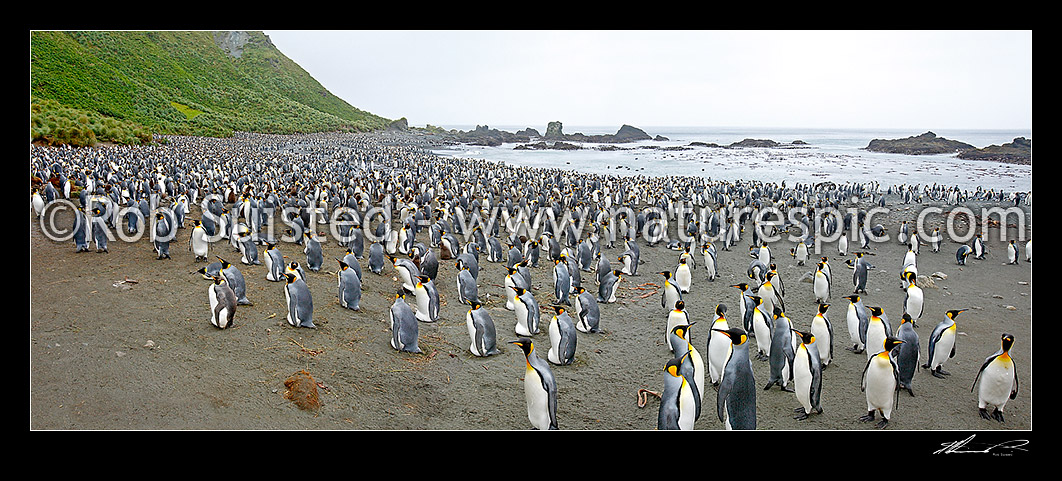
111,355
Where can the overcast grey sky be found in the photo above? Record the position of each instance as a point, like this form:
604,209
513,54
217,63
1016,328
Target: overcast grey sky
819,79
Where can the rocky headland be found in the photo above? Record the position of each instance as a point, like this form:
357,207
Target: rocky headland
1017,152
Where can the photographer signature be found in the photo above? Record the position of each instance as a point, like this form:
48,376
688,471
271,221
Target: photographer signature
960,446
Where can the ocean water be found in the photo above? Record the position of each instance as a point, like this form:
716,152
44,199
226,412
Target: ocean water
834,155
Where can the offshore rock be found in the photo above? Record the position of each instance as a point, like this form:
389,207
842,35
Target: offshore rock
925,144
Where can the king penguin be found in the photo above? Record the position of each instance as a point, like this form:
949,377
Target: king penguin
879,382
299,302
587,311
736,399
683,276
807,375
678,403
234,278
677,317
878,329
999,381
962,254
404,328
906,354
222,303
481,331
942,344
680,341
349,286
376,258
467,288
1012,253
671,293
540,388
822,329
913,299
718,346
427,297
710,264
857,318
407,272
606,292
312,249
197,242
763,327
562,281
513,279
274,263
562,337
821,285
781,355
526,309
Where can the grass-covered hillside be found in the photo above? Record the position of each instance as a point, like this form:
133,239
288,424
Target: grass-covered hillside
185,83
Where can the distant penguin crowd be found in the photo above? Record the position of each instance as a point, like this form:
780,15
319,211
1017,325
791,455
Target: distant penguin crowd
264,201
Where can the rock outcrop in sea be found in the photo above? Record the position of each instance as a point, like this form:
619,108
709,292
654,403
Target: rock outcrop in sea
925,144
1017,152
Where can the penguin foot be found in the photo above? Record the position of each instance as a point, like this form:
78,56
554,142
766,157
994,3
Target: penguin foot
868,417
909,391
984,413
998,415
937,373
768,386
788,389
881,424
802,416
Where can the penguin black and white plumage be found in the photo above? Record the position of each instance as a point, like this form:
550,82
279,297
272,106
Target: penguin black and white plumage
822,329
606,292
677,317
467,288
745,307
934,240
671,293
906,354
942,344
880,383
857,316
877,330
962,254
197,242
525,306
763,327
999,381
352,261
295,269
736,398
80,231
718,345
1028,251
683,276
771,298
780,358
99,232
299,301
274,262
222,303
630,262
404,328
235,279
481,331
800,253
407,272
1012,253
513,279
859,277
312,249
914,299
562,337
978,248
821,285
164,232
540,388
562,281
349,286
427,297
710,263
587,312
376,258
807,375
682,346
678,402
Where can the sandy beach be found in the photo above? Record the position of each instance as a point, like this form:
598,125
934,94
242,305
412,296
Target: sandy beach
122,341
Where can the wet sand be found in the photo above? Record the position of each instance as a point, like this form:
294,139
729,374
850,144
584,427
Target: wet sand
122,341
